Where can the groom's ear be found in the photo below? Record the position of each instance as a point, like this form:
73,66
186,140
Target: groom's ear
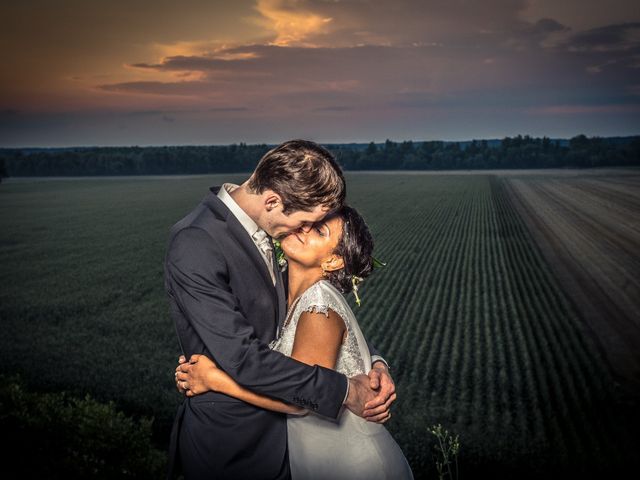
333,263
271,200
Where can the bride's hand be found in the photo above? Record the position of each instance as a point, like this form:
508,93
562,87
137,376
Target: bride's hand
182,359
201,374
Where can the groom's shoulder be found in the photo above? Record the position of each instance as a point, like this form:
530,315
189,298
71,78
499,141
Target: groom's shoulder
207,216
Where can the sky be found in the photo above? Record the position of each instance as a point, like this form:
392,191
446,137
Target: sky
203,72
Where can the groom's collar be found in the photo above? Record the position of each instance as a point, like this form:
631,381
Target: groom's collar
224,194
213,203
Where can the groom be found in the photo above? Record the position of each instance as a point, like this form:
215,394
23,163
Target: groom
227,298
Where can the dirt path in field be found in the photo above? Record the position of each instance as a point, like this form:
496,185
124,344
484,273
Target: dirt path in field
588,229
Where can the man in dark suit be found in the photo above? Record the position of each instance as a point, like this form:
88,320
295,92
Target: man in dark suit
227,298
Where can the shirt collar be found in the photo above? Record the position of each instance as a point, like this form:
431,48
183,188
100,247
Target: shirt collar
245,220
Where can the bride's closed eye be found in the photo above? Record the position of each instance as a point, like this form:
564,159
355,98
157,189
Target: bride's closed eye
321,228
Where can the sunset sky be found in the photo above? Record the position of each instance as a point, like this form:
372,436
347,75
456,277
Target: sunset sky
111,72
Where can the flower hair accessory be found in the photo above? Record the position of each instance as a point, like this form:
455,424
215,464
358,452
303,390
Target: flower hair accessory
377,263
355,281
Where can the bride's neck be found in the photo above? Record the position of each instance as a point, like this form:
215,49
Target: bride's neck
300,279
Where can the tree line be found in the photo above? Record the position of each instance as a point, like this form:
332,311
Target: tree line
509,153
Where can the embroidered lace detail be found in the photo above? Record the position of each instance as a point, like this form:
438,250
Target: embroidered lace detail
320,298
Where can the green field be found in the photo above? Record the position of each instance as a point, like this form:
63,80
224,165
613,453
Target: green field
479,333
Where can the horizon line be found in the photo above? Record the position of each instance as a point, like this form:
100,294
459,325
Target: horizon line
353,142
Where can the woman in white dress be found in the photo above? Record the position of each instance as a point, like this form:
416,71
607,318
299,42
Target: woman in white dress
321,329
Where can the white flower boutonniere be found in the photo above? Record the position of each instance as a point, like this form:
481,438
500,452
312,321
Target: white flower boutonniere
280,257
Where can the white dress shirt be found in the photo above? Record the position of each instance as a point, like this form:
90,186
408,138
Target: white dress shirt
247,222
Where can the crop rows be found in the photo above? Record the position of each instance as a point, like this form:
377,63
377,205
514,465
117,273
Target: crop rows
480,334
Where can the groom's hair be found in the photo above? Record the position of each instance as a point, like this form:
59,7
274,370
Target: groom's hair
303,173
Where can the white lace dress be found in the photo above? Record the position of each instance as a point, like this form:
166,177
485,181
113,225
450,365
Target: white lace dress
349,447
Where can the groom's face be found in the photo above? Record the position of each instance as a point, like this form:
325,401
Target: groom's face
279,225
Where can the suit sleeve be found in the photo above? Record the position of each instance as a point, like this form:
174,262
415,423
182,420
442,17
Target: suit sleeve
375,355
195,276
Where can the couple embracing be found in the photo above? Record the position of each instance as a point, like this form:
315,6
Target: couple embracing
279,380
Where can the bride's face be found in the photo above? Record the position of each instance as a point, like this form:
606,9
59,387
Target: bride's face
313,247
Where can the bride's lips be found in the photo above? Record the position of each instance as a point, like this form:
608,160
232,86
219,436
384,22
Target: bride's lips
298,237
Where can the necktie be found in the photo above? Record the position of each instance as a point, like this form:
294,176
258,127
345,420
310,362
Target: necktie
263,242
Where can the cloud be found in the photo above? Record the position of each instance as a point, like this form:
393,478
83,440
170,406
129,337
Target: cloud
227,109
584,109
549,25
185,88
611,38
396,66
376,75
334,108
291,22
401,22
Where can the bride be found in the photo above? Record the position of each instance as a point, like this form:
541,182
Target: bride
324,263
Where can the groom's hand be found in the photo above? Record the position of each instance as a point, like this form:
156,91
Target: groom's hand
360,392
377,410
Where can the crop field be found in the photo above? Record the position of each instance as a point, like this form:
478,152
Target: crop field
480,312
589,229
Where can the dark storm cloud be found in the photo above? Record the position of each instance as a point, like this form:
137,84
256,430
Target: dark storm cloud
610,38
521,73
548,25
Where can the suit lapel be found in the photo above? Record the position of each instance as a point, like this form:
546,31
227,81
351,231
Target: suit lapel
281,291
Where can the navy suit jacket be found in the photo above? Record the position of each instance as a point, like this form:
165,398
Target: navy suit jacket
224,305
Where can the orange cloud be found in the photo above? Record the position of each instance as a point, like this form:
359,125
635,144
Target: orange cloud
291,24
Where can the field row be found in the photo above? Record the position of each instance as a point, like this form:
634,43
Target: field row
479,328
589,230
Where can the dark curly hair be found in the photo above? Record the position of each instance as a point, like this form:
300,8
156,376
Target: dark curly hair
355,247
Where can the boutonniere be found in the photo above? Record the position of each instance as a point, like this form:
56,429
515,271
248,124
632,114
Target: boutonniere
282,260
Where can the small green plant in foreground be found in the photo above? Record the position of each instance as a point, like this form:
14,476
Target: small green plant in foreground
446,452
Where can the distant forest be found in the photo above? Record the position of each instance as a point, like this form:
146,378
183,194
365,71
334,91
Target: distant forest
508,153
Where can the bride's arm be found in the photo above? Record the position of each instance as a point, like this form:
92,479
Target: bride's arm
201,375
317,342
318,338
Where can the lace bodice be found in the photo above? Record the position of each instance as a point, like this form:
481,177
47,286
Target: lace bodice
354,357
